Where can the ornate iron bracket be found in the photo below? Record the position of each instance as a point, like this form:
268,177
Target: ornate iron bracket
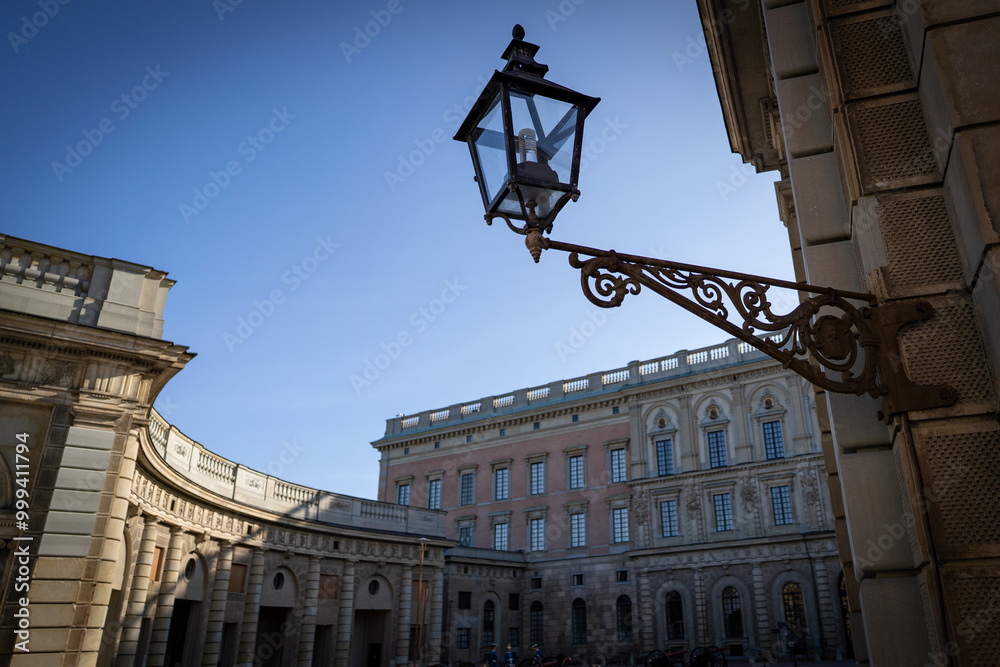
831,342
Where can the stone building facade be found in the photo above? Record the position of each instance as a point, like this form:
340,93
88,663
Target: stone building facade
883,120
672,503
124,542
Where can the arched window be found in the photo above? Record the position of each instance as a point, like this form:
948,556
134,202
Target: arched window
732,612
795,611
489,617
624,608
536,627
675,616
579,621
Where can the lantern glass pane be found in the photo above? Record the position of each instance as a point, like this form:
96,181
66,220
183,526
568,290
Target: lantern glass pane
491,150
546,129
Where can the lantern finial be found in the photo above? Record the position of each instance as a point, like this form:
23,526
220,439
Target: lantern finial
517,32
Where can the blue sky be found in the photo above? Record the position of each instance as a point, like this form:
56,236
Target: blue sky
290,165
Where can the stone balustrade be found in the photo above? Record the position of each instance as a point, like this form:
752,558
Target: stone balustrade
255,489
685,362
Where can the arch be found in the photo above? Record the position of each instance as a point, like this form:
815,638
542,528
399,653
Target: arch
724,610
623,618
657,410
755,396
674,614
536,623
578,622
280,588
700,406
804,582
490,620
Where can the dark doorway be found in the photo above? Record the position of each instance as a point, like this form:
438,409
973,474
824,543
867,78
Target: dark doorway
373,657
177,637
272,638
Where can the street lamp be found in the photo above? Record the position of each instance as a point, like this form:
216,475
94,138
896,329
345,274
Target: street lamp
524,134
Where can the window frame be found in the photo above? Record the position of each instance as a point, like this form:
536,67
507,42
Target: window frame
727,512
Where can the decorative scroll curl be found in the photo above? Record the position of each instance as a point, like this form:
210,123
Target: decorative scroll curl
827,327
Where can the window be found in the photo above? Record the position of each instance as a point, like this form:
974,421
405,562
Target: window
536,483
774,445
536,534
618,473
781,505
434,494
732,612
503,432
465,599
795,611
578,580
514,602
501,484
675,615
462,638
437,445
577,530
665,457
467,488
468,438
619,524
237,577
536,626
717,449
500,536
514,637
536,583
614,410
537,425
489,616
723,511
668,518
579,618
624,609
403,494
576,471
576,418
621,576
406,450
465,536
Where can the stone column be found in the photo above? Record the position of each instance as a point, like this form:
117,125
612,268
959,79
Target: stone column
307,635
700,608
217,610
801,442
646,612
137,596
761,612
744,441
437,612
165,600
251,609
640,444
345,620
828,612
688,442
405,609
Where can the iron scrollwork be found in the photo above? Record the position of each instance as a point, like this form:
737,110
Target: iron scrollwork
827,327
